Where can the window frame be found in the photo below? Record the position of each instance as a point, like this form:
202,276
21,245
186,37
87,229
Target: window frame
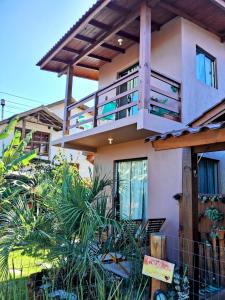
115,202
217,164
214,67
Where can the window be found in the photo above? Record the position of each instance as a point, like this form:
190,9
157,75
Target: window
205,67
40,142
131,188
208,182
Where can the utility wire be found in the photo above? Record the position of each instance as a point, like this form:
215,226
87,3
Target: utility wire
20,97
17,103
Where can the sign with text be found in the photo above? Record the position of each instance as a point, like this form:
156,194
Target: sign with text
158,269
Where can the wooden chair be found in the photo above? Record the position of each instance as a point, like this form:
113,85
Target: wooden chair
151,226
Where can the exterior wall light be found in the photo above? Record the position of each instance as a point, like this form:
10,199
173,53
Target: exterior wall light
120,41
110,140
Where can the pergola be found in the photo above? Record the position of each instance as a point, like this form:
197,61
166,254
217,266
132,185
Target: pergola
207,137
40,115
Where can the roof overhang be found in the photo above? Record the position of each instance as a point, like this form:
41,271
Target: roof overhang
204,138
93,40
40,115
214,114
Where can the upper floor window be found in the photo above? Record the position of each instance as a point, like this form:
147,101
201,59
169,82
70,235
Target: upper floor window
205,67
208,176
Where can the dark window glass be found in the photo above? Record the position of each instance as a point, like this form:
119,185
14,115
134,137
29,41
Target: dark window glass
208,176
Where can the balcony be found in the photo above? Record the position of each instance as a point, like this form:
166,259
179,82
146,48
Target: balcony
114,111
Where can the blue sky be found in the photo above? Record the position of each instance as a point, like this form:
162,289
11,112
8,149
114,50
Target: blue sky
29,28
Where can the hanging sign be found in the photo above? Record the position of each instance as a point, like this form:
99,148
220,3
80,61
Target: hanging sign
158,269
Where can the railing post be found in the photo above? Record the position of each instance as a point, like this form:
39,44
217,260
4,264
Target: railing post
68,99
95,121
145,57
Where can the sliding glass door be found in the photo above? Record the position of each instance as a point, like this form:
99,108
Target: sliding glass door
131,189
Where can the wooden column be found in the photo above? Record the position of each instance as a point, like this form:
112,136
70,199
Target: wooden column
23,134
190,218
68,99
145,57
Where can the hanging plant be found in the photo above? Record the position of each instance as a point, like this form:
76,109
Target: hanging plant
211,198
213,214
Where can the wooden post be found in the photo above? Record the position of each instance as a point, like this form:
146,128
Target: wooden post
23,134
68,99
190,217
157,250
145,57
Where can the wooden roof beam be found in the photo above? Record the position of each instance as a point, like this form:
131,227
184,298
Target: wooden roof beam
87,66
121,33
191,140
104,45
134,13
72,50
100,25
128,36
78,29
99,57
181,13
59,60
118,8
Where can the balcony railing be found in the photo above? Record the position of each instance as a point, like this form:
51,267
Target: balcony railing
120,100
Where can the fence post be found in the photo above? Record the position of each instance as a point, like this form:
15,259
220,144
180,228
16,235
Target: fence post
157,250
221,235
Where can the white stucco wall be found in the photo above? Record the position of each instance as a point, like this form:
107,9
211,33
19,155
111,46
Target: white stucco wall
164,176
198,97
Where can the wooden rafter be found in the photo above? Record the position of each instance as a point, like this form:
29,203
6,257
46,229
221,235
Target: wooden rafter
87,66
107,35
93,41
65,42
121,33
99,57
118,8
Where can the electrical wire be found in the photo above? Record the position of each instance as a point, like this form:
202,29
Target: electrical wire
21,97
17,103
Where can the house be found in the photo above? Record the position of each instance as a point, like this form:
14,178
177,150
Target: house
47,124
159,64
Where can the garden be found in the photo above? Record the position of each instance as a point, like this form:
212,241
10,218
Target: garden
59,239
56,231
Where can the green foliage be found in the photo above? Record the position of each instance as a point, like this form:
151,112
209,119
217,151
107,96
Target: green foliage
5,133
211,198
213,214
66,220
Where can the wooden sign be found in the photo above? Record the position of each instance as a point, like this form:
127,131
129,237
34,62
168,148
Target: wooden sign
158,269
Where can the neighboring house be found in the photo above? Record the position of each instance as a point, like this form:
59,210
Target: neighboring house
159,64
47,124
